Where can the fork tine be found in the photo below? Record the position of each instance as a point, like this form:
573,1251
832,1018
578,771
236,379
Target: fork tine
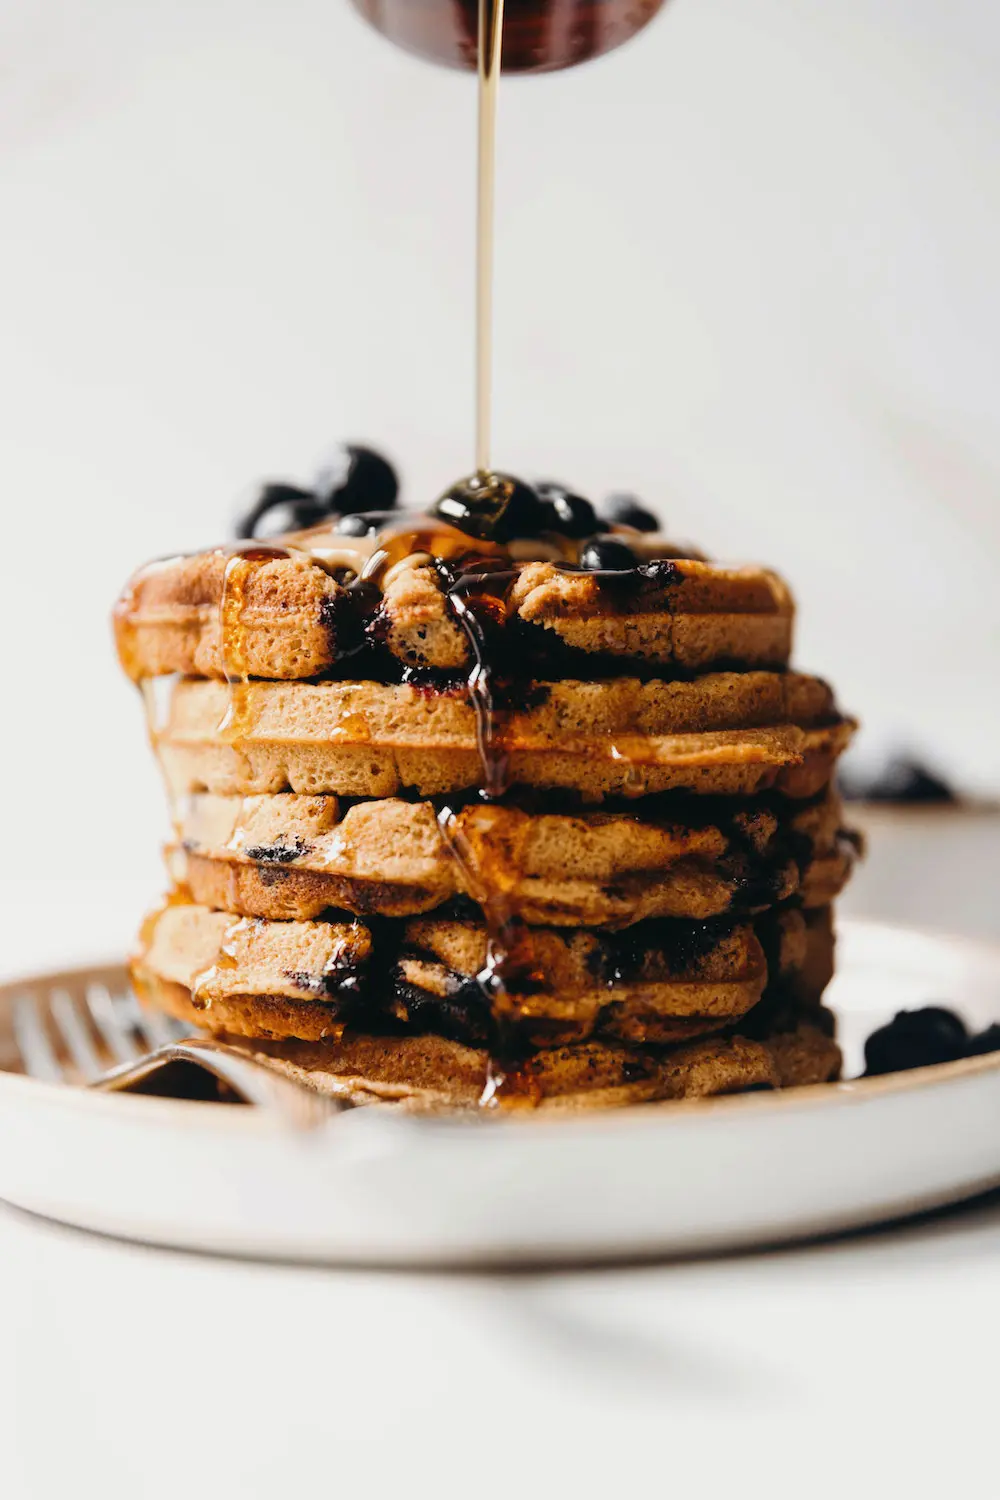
180,1031
106,1017
156,1029
32,1042
74,1032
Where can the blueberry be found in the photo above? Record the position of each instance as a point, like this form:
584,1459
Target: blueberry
286,507
607,557
352,526
523,516
364,525
900,780
567,513
352,478
915,1039
662,571
627,510
984,1041
493,508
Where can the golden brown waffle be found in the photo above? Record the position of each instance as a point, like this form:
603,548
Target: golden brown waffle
253,977
300,978
649,985
427,1072
657,982
726,733
800,947
623,943
294,619
291,857
652,984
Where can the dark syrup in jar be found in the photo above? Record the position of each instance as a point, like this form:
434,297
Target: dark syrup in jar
539,35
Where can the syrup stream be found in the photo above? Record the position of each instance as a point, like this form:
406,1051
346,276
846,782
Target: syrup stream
488,69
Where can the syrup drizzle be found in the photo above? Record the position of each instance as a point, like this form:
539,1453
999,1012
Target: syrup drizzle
224,962
479,601
156,693
239,569
179,895
488,72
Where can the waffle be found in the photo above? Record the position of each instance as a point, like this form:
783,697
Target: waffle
657,982
544,820
250,977
728,733
291,857
297,619
431,1073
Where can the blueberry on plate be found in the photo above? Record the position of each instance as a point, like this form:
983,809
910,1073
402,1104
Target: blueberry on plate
352,478
984,1041
607,556
916,1039
901,779
277,508
493,508
628,510
569,514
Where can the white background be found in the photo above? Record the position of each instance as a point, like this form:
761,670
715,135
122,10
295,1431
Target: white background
747,265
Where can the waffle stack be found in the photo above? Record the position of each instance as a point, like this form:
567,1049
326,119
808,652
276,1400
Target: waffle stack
470,810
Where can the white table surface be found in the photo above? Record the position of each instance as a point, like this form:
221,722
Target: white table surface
865,1366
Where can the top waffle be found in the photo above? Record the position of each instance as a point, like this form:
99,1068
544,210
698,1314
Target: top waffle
320,603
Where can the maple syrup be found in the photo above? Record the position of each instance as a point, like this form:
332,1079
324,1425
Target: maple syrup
488,59
178,895
225,961
496,509
479,603
240,567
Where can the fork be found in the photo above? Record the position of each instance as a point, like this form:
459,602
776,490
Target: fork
107,1041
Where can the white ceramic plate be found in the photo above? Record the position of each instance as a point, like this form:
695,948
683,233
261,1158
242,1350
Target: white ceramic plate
369,1186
